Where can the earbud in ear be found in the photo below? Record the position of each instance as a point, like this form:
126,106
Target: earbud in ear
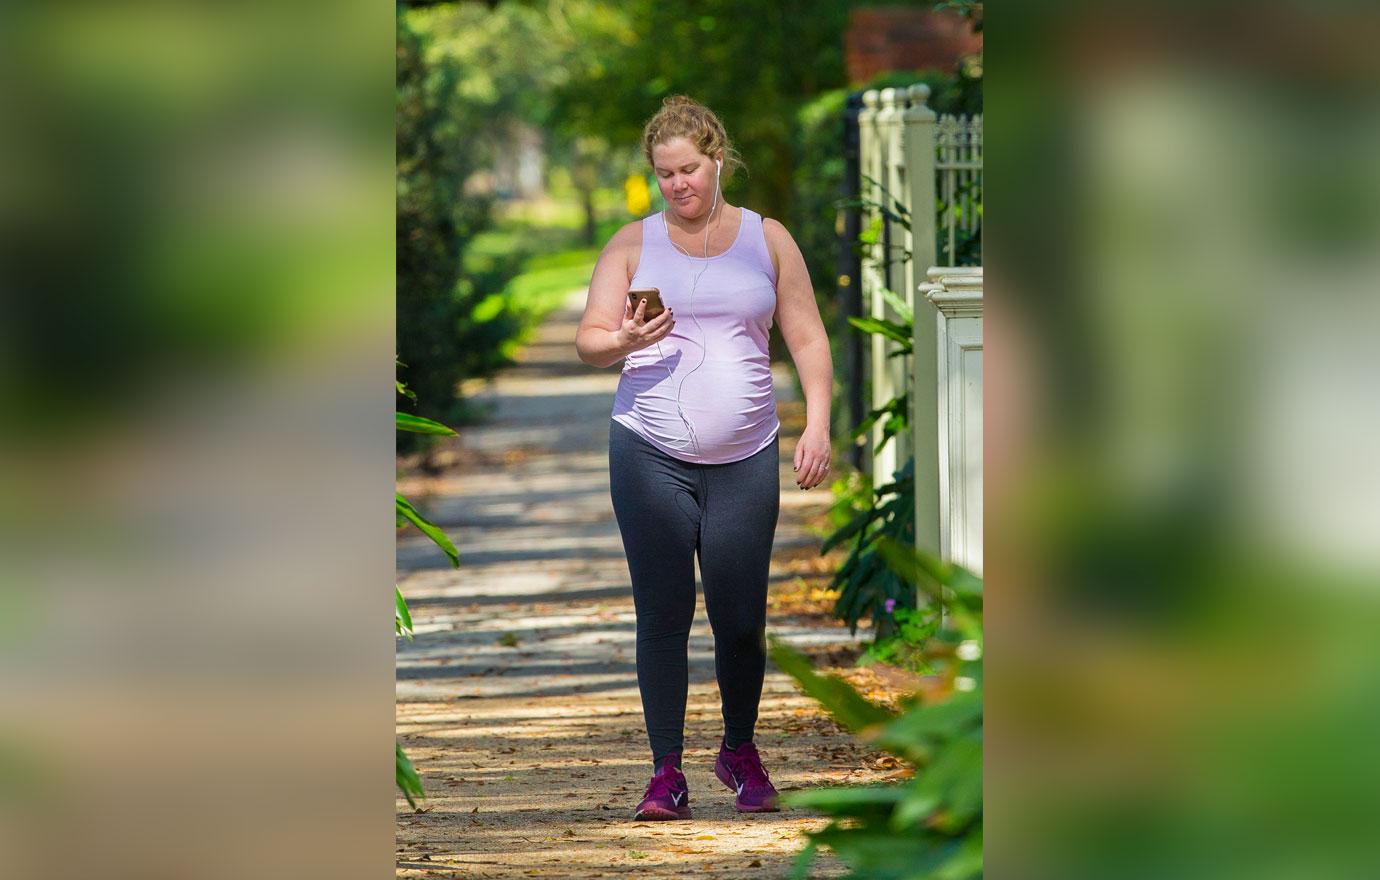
718,167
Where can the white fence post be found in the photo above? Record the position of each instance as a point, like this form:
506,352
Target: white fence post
894,271
956,293
924,417
919,139
879,128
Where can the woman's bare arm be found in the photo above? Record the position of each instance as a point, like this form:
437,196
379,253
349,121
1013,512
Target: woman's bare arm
610,329
803,330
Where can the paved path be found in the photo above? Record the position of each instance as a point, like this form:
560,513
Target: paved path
518,698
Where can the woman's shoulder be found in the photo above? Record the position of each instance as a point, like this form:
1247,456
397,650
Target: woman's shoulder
774,229
628,235
625,245
778,239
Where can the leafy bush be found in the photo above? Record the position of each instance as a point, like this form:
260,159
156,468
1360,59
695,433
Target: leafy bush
864,581
906,649
929,828
440,336
405,774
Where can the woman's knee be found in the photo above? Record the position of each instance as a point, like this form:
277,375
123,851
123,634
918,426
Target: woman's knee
741,640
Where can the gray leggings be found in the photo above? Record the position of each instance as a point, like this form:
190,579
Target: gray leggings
667,510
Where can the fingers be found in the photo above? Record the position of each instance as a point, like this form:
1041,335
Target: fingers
640,315
813,473
661,325
821,472
645,332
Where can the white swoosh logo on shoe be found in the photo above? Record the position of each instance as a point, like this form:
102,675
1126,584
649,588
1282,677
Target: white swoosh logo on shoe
675,798
740,788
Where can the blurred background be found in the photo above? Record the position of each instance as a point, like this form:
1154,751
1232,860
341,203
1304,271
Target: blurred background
1183,563
197,217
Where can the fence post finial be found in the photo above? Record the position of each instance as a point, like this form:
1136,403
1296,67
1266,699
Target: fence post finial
919,95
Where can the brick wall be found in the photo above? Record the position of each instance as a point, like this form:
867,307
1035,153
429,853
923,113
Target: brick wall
905,39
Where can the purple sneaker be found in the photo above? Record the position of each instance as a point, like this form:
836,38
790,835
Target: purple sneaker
741,770
667,797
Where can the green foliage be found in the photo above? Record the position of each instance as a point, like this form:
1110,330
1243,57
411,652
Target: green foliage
406,777
954,590
408,513
402,617
914,628
931,827
419,425
440,125
814,214
467,76
895,412
852,492
952,587
849,708
753,61
403,390
900,333
864,580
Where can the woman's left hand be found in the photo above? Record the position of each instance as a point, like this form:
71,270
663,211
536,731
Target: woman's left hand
812,457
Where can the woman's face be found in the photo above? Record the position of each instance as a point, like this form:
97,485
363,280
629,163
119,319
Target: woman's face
686,177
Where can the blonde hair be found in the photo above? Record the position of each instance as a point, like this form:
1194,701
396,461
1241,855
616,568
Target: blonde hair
683,117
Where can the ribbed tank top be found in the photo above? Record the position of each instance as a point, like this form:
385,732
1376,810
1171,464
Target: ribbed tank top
728,398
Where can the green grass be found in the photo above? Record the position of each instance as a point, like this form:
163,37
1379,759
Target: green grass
537,292
544,284
535,252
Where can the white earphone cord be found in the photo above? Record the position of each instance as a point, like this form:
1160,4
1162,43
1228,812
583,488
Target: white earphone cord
704,346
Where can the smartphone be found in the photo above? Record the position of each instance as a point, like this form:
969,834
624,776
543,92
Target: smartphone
653,297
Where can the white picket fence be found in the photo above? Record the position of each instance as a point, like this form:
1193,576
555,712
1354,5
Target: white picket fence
920,171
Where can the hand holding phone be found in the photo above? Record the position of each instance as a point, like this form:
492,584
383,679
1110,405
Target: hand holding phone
639,330
653,297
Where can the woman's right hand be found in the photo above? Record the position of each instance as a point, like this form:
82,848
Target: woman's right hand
637,333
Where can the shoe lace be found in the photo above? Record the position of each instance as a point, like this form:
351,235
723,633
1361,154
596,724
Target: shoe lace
667,782
749,765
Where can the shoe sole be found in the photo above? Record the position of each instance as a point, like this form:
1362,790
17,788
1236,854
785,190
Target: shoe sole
660,814
726,778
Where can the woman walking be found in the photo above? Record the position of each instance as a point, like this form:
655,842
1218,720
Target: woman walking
693,439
